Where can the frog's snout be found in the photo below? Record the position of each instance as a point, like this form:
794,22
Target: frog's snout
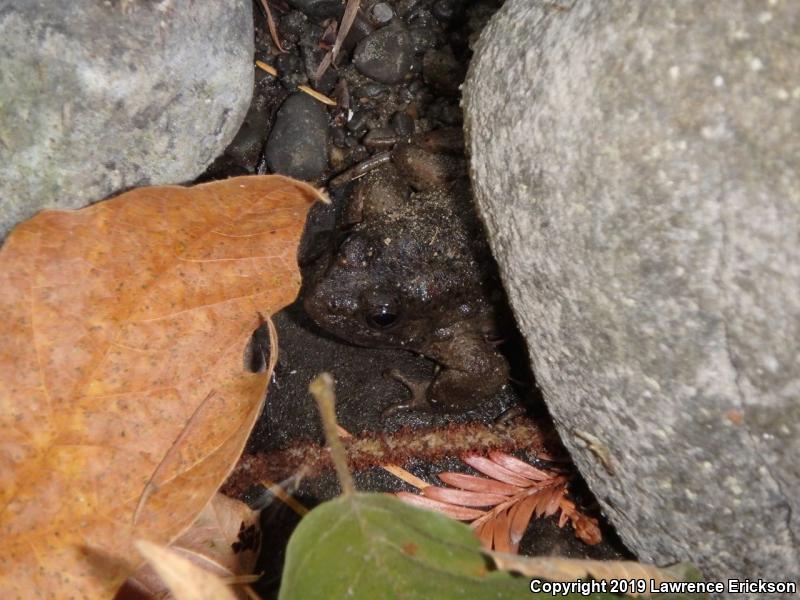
322,302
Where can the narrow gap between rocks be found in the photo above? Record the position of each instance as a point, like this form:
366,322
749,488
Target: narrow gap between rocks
396,88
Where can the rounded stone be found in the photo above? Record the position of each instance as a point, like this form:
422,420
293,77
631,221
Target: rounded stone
321,9
92,104
382,13
640,183
402,123
386,55
297,145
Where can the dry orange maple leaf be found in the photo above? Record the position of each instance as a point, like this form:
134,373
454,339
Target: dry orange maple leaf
515,492
122,387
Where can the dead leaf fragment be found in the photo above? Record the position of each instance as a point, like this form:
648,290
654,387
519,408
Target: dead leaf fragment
184,579
224,540
121,344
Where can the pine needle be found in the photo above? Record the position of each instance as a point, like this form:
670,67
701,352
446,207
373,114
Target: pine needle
273,31
349,16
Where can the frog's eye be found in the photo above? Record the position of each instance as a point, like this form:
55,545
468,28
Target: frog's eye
382,317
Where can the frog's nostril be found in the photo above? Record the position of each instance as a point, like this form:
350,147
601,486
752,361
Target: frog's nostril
339,306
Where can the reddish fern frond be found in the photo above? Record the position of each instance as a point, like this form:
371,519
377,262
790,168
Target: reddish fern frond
512,493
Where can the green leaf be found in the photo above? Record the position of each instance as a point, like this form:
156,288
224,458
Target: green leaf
373,546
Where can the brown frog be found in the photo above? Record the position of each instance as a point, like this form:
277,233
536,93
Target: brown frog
413,270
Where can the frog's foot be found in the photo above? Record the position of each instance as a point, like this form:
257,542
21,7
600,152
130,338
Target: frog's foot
494,342
419,390
509,414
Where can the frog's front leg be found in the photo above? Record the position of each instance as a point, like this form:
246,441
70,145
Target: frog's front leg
470,370
419,395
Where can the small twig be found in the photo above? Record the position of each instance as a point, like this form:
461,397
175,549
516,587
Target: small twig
347,22
281,494
317,95
268,68
349,16
323,65
322,389
360,169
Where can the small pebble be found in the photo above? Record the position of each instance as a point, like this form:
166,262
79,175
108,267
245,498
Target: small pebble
360,29
385,55
382,13
402,123
422,39
405,95
339,137
444,10
371,89
246,147
421,17
404,7
291,71
297,144
359,122
380,138
318,8
293,26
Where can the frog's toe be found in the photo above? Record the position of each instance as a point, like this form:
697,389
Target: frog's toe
418,389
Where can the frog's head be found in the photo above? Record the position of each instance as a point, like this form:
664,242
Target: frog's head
361,294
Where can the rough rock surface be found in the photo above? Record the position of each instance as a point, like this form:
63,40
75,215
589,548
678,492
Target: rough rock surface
638,167
102,96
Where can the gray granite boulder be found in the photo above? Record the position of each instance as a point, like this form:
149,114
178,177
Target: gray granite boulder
97,97
638,168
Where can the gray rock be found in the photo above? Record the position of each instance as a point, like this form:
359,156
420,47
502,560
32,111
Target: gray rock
385,55
99,97
638,168
297,144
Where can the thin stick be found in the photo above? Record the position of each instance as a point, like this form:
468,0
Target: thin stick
322,390
360,169
348,18
319,96
281,494
344,27
266,67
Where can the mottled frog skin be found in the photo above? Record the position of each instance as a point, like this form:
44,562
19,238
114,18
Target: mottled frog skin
412,270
